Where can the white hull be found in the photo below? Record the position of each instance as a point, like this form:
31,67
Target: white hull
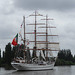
24,66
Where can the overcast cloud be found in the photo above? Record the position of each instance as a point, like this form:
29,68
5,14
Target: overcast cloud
63,12
45,4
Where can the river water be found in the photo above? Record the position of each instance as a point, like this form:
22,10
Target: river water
59,70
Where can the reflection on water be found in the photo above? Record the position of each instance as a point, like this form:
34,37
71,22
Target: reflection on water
62,70
47,72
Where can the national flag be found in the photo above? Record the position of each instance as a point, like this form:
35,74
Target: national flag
15,40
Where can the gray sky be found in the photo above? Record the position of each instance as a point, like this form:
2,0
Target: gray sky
62,11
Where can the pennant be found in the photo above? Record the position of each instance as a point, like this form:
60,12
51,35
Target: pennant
27,42
21,24
15,40
19,34
33,32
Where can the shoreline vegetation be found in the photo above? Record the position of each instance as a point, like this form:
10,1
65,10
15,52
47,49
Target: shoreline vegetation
65,57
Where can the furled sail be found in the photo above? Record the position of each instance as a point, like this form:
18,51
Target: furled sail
42,55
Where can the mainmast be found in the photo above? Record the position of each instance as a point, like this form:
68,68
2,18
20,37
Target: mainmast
24,35
35,30
46,32
36,33
46,36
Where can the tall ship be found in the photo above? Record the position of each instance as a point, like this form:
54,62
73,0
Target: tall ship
39,46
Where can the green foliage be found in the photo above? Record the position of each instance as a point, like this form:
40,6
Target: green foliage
65,54
0,53
8,54
0,57
14,51
65,58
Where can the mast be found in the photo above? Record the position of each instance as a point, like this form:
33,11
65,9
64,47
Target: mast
35,30
36,33
24,35
46,32
46,36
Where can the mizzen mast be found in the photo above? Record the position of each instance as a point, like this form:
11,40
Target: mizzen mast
47,34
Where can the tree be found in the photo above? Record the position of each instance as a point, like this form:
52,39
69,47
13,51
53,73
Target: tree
0,54
65,58
3,54
65,54
3,58
0,57
8,54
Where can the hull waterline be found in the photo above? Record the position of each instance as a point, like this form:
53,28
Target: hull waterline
24,66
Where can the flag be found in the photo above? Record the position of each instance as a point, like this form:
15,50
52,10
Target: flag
21,24
27,42
20,34
15,40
